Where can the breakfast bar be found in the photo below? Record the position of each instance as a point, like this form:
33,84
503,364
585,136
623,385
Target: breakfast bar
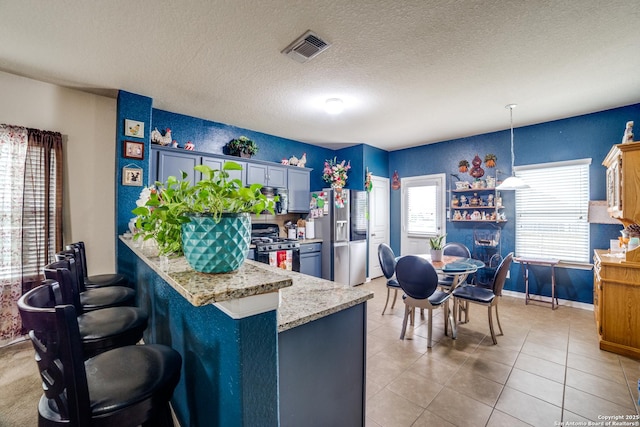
260,346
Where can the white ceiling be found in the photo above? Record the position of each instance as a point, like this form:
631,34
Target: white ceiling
410,72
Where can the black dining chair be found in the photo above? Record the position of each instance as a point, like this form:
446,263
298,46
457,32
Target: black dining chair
96,280
388,264
452,249
100,330
126,386
419,282
87,299
487,297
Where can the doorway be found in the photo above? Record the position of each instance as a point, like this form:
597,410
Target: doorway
378,222
423,209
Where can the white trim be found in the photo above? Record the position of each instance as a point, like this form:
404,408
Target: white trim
586,161
240,308
562,302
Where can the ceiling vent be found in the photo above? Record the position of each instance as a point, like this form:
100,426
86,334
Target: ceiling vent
306,47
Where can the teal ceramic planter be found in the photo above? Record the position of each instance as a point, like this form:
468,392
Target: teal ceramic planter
211,247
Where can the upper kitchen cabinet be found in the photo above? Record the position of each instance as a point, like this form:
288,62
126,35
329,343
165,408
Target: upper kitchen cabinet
623,182
171,163
299,189
218,163
271,176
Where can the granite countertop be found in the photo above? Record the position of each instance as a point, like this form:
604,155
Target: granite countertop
303,298
202,288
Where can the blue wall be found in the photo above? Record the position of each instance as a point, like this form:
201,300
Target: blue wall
587,136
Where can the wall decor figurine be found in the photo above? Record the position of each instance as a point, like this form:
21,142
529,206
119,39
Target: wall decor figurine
463,166
189,146
158,138
490,160
628,133
395,181
476,170
303,160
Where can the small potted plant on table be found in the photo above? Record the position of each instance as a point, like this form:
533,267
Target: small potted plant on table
436,245
208,221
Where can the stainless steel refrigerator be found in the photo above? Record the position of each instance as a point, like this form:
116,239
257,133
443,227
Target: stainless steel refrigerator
343,229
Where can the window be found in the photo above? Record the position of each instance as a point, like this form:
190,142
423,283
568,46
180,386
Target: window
423,205
551,215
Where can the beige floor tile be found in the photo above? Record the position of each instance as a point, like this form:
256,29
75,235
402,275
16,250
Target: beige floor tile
609,390
496,353
536,386
527,408
468,382
391,410
604,369
486,368
500,419
448,406
383,369
568,416
368,422
433,369
590,406
373,387
429,419
541,367
415,388
533,348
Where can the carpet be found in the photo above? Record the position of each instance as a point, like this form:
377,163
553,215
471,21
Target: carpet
20,386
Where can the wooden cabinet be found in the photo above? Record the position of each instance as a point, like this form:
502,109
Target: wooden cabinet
476,205
623,182
299,190
616,299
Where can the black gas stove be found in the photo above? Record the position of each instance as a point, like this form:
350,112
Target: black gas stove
266,238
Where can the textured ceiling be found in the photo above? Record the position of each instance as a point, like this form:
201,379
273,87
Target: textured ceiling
410,72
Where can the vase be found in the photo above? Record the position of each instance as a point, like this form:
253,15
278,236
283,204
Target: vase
436,255
211,247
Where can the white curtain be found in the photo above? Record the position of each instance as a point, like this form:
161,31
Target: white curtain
13,151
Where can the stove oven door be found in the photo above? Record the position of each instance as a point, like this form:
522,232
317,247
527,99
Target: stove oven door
285,259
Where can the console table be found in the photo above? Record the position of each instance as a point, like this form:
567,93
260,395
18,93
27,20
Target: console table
548,262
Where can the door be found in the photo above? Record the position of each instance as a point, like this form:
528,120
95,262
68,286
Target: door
423,212
378,222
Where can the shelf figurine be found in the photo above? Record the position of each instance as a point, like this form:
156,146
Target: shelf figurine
628,133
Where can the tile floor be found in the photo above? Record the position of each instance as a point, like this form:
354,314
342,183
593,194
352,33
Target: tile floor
547,368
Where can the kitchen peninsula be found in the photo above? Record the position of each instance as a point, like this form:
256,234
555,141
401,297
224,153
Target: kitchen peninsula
260,346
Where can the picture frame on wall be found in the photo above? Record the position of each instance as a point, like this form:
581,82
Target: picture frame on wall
133,150
132,176
133,128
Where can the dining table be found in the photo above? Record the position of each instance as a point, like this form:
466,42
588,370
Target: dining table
458,267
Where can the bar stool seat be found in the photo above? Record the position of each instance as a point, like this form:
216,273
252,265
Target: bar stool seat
97,280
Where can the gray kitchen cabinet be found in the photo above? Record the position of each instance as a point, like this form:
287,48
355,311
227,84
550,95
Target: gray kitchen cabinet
272,176
299,189
311,259
218,163
172,163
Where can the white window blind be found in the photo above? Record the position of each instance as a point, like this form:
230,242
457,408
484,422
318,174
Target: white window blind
551,215
423,207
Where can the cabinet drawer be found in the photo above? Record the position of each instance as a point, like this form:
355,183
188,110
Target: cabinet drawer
310,247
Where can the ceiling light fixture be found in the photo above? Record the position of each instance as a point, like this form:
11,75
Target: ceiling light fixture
334,106
513,182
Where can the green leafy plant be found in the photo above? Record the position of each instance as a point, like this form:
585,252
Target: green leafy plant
242,145
163,214
435,243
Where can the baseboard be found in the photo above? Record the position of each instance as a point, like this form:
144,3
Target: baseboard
561,302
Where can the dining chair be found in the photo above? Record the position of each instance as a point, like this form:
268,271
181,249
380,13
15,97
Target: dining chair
419,282
388,264
452,249
126,386
487,297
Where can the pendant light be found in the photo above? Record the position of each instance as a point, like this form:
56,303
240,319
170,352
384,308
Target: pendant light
513,182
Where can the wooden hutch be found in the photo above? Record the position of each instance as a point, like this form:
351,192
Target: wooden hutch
616,280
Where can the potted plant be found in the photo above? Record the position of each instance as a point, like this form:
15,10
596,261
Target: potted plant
208,221
242,147
436,245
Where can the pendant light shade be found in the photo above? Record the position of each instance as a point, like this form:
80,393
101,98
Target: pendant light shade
513,182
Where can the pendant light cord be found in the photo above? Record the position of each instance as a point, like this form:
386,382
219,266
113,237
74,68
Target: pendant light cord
511,107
